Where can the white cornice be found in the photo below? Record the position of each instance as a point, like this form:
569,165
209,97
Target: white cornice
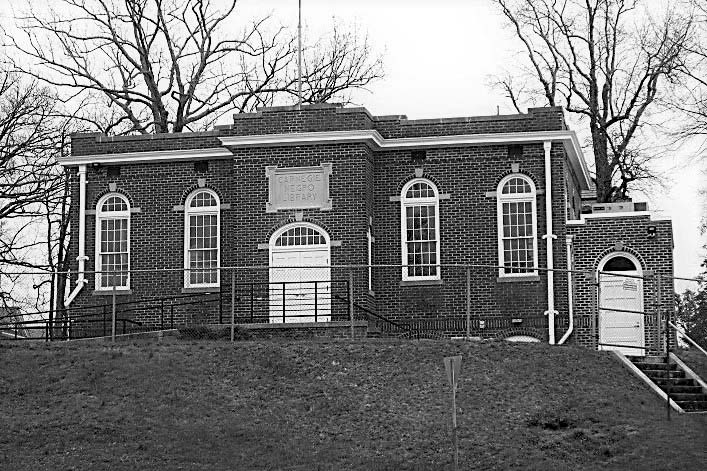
370,137
616,215
373,139
153,156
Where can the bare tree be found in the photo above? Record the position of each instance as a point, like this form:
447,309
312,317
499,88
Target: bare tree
690,97
607,62
30,183
170,65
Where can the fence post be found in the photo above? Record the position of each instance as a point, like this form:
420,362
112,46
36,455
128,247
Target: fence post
468,303
112,332
316,301
251,300
162,314
220,301
666,346
658,320
233,305
595,283
351,303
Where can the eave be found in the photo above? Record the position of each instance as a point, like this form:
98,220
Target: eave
375,141
369,137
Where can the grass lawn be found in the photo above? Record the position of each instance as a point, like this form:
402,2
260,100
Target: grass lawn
696,360
331,406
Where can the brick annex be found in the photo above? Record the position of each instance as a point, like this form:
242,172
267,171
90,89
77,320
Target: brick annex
329,186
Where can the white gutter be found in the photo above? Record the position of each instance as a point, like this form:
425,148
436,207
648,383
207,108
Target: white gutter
81,281
549,236
570,307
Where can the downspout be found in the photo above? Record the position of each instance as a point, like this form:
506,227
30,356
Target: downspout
549,236
81,281
570,294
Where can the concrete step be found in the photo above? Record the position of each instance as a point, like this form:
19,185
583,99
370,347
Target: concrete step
655,366
688,397
693,406
681,389
655,374
675,382
647,359
684,391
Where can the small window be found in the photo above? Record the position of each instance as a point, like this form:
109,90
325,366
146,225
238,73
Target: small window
619,264
420,231
300,235
517,226
112,243
202,239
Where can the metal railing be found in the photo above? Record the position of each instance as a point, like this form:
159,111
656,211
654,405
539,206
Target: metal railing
468,300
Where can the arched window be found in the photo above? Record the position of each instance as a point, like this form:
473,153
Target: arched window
619,263
517,226
420,230
202,236
113,242
300,235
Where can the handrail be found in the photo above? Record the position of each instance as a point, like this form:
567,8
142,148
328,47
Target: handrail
383,318
217,291
687,337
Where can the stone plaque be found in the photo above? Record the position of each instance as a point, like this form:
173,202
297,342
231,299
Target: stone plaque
298,188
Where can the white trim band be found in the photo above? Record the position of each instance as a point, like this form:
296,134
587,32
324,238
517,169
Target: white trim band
372,138
152,156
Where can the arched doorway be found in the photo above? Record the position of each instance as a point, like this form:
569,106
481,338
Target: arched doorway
621,318
300,277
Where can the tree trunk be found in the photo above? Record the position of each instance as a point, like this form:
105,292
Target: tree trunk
603,168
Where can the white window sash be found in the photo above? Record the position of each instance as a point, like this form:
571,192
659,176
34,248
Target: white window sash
201,211
106,216
516,198
412,202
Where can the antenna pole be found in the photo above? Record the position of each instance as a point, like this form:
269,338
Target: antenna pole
299,57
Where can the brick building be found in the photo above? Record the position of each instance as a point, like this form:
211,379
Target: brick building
479,205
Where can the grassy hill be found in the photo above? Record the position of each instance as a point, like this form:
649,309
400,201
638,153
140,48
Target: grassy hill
331,405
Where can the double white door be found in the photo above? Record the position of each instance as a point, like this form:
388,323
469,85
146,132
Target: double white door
300,286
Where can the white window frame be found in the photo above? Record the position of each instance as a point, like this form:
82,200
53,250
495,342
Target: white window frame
409,202
516,198
202,211
105,215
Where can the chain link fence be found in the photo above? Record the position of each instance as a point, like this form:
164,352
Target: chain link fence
606,310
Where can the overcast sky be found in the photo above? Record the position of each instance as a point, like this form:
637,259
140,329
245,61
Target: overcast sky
438,57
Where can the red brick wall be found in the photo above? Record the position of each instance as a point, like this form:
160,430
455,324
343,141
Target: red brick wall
361,185
597,238
468,235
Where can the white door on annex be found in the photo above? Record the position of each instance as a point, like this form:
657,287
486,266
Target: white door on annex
621,317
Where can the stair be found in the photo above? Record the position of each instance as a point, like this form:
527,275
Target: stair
684,391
